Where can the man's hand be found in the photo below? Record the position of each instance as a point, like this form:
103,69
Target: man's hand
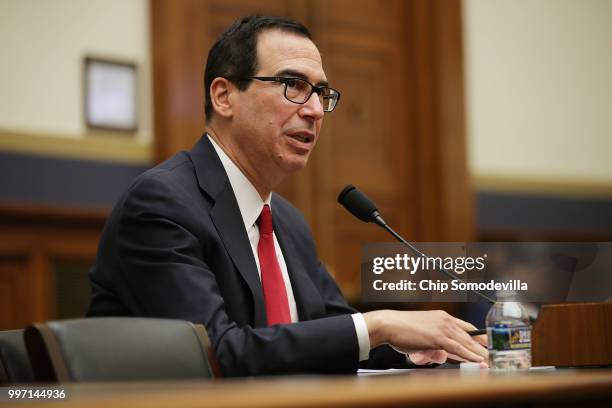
429,336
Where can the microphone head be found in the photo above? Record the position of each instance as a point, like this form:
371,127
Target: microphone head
358,204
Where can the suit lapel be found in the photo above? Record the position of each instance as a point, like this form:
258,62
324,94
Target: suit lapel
226,217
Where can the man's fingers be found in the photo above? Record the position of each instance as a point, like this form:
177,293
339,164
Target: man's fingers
419,358
455,358
478,349
438,356
466,326
461,351
467,340
428,356
482,339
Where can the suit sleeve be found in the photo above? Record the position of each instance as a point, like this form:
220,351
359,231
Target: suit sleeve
381,357
163,273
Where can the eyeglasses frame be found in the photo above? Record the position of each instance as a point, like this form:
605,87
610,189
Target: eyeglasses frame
314,88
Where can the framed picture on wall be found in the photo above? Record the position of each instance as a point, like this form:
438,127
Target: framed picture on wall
110,89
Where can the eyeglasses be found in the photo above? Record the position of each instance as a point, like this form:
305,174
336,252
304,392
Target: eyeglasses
298,90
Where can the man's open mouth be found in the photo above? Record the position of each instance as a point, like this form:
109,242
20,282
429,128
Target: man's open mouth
302,137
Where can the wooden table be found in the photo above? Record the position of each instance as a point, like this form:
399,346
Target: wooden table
417,388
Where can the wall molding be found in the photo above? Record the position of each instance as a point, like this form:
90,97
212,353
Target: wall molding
113,147
541,186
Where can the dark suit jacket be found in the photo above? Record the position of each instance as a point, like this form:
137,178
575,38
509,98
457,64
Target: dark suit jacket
175,246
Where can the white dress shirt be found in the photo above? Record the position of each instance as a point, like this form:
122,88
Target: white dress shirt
251,205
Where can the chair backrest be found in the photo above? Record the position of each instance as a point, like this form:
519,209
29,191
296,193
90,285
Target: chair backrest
119,349
14,362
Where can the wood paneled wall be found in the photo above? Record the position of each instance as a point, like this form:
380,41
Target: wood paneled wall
398,132
33,240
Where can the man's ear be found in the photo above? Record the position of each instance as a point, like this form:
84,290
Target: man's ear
220,96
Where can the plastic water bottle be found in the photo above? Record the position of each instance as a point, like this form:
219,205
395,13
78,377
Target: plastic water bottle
509,335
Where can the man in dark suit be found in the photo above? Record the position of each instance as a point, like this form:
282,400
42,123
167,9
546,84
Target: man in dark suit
201,237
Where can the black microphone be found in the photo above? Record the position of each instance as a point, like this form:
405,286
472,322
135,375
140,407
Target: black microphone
358,204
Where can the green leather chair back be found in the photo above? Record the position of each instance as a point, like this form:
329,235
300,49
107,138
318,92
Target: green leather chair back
119,349
14,362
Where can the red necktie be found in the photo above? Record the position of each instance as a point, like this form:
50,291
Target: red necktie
275,293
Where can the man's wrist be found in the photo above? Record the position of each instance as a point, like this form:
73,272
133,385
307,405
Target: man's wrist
376,327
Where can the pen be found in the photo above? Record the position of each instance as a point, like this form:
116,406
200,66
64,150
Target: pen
477,332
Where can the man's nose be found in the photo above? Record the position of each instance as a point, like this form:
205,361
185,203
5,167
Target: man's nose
313,107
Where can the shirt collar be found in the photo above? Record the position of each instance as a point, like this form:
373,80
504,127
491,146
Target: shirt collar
249,200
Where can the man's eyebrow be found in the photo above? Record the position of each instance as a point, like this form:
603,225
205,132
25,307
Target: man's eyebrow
297,74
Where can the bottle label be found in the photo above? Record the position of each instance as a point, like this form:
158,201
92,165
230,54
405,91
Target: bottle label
502,337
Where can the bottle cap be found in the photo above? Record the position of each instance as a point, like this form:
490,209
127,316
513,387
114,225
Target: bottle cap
505,295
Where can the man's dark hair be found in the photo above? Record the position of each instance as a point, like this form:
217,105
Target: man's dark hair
234,54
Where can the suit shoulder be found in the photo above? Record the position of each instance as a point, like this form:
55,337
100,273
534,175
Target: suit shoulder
167,171
169,185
